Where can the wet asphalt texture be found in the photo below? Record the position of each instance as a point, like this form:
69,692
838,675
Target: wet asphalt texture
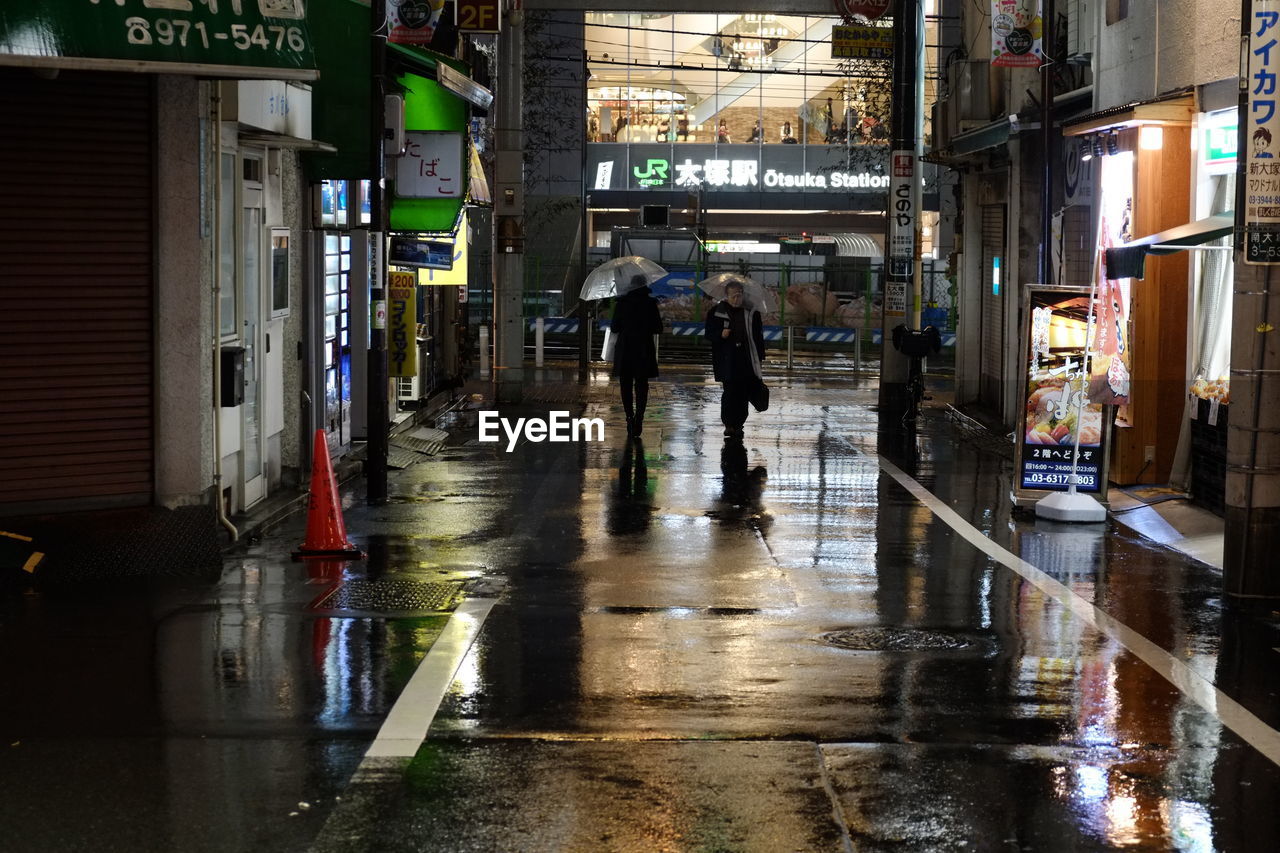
695,645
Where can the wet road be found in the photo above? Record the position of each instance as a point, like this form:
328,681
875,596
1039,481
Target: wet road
674,649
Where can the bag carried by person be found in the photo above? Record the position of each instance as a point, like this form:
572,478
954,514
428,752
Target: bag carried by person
760,397
610,343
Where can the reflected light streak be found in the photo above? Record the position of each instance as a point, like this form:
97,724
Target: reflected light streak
984,600
1091,783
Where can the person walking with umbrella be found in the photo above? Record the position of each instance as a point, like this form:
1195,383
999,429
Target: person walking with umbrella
736,333
635,357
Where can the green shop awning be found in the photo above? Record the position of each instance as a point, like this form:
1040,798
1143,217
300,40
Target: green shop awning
341,95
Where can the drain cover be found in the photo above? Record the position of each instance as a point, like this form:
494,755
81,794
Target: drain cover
894,640
392,595
419,445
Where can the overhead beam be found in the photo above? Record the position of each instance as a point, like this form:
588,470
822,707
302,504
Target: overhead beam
736,7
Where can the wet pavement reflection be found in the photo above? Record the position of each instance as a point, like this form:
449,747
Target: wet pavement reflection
659,672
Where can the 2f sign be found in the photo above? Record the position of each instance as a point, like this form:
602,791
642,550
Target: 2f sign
478,16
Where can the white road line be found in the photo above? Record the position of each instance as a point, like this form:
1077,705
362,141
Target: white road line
1194,686
405,728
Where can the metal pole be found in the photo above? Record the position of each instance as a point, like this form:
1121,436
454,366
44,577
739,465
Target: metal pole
903,247
584,341
1046,144
377,375
791,335
539,339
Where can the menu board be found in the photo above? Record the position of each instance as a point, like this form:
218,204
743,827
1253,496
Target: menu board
1054,396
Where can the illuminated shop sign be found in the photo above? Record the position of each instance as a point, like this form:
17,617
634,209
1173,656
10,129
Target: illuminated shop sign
270,38
729,168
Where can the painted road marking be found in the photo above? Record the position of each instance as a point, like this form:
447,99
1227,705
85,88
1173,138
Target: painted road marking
405,728
1194,686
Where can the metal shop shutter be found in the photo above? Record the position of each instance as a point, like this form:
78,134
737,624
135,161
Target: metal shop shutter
991,372
76,304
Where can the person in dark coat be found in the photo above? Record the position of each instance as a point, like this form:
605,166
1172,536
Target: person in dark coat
635,357
736,333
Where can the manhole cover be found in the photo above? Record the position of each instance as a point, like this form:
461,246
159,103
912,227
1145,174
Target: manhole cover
392,595
894,640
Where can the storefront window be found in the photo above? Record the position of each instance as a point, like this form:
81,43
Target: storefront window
728,79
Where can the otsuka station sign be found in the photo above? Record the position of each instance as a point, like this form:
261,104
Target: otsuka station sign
737,168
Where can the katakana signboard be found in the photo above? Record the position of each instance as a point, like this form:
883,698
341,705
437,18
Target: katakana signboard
1262,136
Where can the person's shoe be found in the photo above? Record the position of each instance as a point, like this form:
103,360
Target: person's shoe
738,433
728,432
631,426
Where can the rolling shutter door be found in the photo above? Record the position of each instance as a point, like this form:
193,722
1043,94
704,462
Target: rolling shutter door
991,370
76,303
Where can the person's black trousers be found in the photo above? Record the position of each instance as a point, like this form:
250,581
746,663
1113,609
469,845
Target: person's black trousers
640,384
734,401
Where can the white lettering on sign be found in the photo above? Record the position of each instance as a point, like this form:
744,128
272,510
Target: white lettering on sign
744,173
431,166
559,428
902,212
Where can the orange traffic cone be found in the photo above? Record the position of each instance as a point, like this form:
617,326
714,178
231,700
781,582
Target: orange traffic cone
326,533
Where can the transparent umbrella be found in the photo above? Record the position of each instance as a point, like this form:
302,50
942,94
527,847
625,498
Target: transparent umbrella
613,278
753,291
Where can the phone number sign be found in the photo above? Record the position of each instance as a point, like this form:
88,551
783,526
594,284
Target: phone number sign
243,38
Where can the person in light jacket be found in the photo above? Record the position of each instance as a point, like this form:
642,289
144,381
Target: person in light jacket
635,356
736,333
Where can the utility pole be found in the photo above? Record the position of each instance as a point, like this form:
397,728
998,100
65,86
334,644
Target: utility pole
508,291
903,214
375,466
1046,142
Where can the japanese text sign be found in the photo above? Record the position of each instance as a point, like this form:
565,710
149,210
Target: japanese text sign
413,21
1056,406
1262,136
1015,33
861,43
402,339
243,38
431,166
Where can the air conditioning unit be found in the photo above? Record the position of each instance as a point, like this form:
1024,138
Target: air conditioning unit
971,93
1081,27
407,387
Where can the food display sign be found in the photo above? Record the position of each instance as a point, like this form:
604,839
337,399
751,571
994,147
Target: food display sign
1055,403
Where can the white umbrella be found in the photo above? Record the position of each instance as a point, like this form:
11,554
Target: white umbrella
753,292
614,278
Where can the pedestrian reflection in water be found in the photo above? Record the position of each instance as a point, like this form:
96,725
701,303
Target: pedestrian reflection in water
742,488
630,507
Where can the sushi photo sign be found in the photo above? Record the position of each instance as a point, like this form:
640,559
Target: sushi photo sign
1055,407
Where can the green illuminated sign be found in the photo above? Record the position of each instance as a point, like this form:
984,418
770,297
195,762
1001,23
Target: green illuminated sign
654,174
267,38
